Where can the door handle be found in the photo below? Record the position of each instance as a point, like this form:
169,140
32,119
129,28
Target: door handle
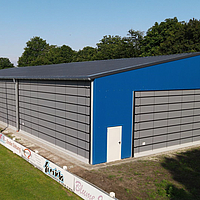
119,142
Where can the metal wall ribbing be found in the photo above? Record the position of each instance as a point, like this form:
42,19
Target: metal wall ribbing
166,118
7,102
58,112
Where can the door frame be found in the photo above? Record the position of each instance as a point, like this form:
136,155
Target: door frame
118,144
133,123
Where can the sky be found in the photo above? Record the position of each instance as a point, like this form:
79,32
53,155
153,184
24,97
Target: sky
80,23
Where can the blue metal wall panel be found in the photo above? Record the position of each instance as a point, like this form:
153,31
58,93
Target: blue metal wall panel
113,98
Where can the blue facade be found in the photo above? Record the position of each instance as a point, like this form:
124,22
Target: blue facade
113,98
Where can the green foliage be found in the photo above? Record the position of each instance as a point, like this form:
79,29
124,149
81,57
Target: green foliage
134,43
137,173
86,54
34,52
192,35
172,37
112,47
63,54
38,52
5,63
163,38
111,176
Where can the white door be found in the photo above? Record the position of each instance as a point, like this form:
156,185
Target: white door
114,135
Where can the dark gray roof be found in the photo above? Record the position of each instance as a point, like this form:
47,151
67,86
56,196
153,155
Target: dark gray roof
88,70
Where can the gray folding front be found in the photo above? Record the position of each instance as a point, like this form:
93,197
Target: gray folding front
7,102
58,112
166,118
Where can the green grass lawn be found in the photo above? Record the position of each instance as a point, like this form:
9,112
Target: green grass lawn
20,180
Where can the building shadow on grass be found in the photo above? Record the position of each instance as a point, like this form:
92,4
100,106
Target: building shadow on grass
185,169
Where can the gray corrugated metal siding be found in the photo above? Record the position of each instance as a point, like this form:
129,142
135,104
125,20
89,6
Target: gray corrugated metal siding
166,118
7,102
57,111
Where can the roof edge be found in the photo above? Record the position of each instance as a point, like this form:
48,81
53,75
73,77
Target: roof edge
48,78
99,75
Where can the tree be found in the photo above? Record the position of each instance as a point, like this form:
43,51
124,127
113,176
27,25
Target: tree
63,54
192,35
39,52
36,49
86,54
171,37
5,63
164,38
111,47
134,43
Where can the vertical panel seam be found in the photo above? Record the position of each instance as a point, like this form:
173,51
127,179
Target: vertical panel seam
17,102
133,123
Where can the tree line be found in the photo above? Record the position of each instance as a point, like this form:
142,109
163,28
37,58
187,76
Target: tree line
168,37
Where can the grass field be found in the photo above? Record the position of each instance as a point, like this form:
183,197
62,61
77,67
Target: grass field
170,176
21,181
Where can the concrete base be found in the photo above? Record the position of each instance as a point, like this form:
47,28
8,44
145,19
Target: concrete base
161,150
